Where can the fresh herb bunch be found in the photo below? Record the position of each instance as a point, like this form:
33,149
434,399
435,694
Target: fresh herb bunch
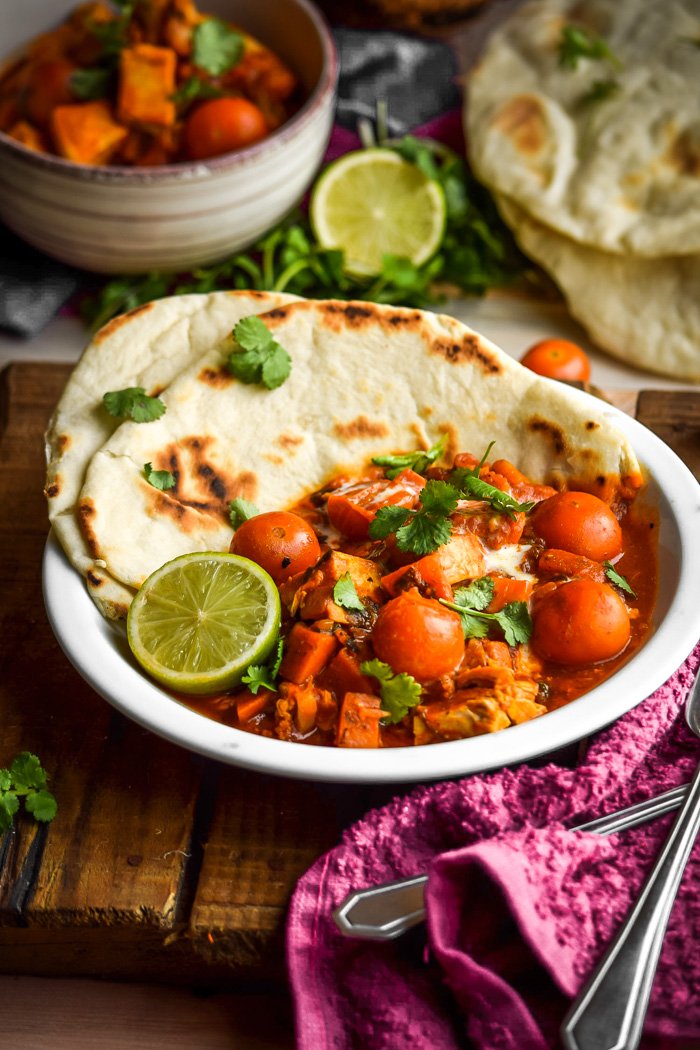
477,253
26,778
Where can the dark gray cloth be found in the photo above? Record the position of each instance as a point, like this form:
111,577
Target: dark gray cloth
32,286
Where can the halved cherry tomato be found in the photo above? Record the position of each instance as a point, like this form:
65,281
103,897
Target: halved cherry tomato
580,523
282,543
418,636
351,508
580,622
221,125
558,359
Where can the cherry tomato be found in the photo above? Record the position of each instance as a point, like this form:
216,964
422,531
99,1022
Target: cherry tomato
49,86
580,523
221,125
282,543
558,359
418,636
580,622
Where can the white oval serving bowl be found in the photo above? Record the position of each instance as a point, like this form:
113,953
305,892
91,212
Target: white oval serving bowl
101,655
174,217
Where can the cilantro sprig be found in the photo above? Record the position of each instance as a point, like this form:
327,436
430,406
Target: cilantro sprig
469,483
260,358
576,43
615,577
263,676
159,479
345,594
133,403
216,47
418,461
421,531
399,692
470,602
240,510
26,778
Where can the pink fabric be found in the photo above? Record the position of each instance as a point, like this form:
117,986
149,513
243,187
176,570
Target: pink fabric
519,909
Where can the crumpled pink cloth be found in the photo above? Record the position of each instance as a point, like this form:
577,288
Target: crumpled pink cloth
519,908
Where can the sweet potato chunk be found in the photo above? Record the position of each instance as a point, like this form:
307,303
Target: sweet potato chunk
358,722
310,594
86,132
146,85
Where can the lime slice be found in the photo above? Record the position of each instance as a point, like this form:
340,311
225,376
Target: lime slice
373,202
198,622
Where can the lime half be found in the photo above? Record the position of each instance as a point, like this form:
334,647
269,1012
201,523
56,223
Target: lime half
373,202
198,622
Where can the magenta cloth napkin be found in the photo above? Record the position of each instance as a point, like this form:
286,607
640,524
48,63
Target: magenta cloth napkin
519,909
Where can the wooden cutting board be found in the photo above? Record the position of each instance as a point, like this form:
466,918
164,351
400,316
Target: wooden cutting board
160,865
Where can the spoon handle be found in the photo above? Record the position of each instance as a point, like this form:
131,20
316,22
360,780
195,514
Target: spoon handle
609,1012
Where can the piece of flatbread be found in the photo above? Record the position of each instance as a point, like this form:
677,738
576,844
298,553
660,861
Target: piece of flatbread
365,380
147,347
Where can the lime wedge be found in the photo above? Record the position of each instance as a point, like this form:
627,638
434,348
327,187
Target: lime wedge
373,202
198,622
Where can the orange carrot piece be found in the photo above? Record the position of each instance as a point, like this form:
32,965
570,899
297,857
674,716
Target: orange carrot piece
248,705
506,589
306,653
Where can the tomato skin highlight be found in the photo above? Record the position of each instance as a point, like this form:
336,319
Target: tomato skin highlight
280,542
222,125
580,523
558,359
580,622
418,636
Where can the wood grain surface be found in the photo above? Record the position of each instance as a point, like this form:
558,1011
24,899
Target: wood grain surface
160,865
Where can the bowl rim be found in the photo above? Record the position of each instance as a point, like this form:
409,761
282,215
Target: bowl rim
117,173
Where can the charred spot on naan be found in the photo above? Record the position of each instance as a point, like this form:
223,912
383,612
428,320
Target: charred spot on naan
219,378
200,484
117,322
551,432
684,152
86,511
289,442
523,120
53,489
467,350
360,427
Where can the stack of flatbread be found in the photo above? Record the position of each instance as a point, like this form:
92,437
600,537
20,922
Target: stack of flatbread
365,380
594,161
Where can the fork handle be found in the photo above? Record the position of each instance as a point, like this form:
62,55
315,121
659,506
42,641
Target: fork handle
609,1013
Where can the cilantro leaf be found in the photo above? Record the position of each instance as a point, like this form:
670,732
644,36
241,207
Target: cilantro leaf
399,692
616,578
194,88
513,619
387,520
418,461
42,805
421,531
515,622
577,43
216,46
27,773
159,479
5,780
261,359
345,594
90,83
9,804
240,510
600,91
499,500
133,403
439,497
424,533
477,595
262,676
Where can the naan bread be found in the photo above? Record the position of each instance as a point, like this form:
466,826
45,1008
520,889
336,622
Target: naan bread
644,311
621,174
365,380
146,347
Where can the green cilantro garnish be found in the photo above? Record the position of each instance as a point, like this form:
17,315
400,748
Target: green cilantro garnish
159,479
418,461
399,692
91,83
345,594
133,403
261,359
25,778
577,43
600,91
216,47
617,579
499,500
420,531
195,88
513,619
262,676
239,510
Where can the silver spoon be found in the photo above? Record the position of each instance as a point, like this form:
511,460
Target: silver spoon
609,1012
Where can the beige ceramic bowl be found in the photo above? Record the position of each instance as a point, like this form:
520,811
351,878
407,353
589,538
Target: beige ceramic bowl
173,217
